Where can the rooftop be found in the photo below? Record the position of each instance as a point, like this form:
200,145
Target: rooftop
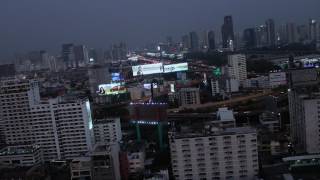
18,150
213,132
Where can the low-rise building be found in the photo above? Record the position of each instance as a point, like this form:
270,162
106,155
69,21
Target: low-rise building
107,131
81,168
270,120
21,155
277,79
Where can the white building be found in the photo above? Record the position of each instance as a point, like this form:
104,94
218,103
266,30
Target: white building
189,96
215,88
228,154
21,155
257,82
237,67
277,79
224,85
62,129
304,121
107,131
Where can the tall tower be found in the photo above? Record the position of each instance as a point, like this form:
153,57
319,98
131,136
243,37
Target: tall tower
313,30
194,41
249,38
271,35
211,40
227,31
68,55
291,31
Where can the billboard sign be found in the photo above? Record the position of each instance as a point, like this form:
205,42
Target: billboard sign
158,68
147,69
111,89
175,67
116,77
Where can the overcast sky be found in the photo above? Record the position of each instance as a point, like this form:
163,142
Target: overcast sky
27,25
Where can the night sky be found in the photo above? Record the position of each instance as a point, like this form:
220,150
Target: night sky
27,25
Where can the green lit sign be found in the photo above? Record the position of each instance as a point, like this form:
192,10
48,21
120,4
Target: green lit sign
217,72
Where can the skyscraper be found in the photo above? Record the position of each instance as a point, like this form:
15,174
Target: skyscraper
302,33
261,36
313,30
81,55
204,40
194,41
271,34
119,51
186,42
291,31
249,38
227,31
68,55
211,40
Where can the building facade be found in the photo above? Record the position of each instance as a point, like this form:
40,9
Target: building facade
62,129
228,154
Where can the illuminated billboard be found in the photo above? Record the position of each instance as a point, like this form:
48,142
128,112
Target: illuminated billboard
116,77
175,67
158,68
148,86
147,69
111,89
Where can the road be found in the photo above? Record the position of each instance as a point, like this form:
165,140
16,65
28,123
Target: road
223,103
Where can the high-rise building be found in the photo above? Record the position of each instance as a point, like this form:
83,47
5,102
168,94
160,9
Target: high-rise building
227,32
68,55
249,38
81,55
194,41
302,33
119,51
204,40
62,129
237,68
271,33
211,40
186,42
313,30
93,56
291,30
282,37
261,36
214,153
304,110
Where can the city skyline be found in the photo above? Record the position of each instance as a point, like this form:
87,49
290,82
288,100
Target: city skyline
74,26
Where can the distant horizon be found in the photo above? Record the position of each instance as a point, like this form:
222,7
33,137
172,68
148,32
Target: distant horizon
36,25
